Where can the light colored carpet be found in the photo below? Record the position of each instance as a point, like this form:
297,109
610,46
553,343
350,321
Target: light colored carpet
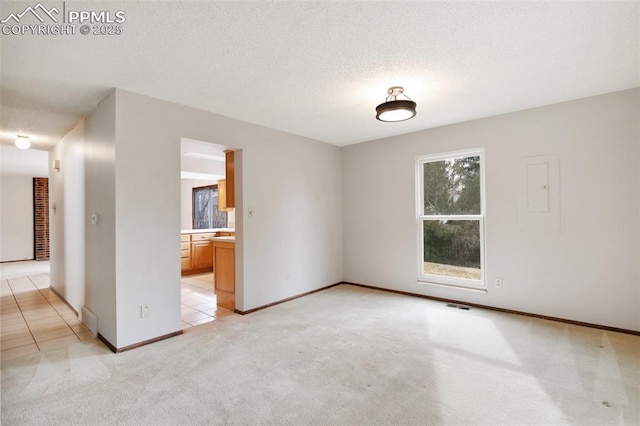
346,355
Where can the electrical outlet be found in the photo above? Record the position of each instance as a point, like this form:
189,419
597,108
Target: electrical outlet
144,311
499,282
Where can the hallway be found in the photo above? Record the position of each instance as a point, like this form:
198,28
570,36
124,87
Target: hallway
34,318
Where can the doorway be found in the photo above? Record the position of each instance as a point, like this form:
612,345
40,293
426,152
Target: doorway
199,301
203,217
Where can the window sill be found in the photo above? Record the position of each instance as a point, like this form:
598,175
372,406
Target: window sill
453,286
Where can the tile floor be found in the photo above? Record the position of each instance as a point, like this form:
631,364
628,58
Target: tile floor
33,318
199,301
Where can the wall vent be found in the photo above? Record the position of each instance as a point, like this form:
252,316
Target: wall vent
463,307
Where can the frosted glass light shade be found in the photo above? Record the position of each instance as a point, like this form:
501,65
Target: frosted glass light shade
23,142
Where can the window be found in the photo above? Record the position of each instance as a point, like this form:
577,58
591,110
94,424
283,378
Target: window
205,208
451,218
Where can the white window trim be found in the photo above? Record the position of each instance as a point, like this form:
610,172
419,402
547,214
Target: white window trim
440,280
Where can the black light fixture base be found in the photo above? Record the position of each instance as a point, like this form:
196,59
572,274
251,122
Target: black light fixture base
393,110
402,108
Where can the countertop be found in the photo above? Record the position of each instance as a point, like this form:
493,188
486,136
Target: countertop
226,239
202,231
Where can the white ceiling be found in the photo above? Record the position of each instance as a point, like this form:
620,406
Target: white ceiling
201,160
319,68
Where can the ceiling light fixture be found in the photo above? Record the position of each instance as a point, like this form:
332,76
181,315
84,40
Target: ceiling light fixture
396,110
23,142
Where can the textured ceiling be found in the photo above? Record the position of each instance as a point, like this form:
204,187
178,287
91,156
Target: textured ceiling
319,68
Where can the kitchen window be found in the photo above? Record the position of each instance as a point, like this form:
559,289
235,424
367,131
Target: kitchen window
450,218
205,208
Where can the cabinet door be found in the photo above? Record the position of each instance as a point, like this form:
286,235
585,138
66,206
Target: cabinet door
222,195
230,179
224,277
201,254
185,263
185,252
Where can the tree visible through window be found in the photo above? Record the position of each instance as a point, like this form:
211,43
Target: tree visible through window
450,215
205,208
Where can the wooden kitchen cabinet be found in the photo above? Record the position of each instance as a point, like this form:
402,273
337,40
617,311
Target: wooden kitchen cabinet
185,253
202,236
226,186
196,253
224,278
222,196
225,234
201,254
229,173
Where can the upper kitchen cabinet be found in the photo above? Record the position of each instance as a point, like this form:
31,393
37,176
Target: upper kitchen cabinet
226,187
231,180
222,196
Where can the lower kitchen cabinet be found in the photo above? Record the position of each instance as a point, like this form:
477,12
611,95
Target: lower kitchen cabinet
185,264
185,253
196,252
201,254
224,279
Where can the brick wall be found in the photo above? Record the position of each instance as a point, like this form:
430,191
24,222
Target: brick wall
41,218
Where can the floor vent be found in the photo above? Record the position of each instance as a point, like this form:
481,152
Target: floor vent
463,307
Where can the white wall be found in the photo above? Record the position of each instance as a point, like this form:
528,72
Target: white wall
16,217
100,239
293,183
186,201
147,221
586,272
294,189
67,222
303,192
18,168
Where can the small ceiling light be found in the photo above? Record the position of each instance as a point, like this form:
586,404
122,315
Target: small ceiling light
23,142
394,109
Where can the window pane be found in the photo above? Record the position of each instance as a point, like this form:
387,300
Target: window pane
452,248
452,187
205,209
219,218
201,208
